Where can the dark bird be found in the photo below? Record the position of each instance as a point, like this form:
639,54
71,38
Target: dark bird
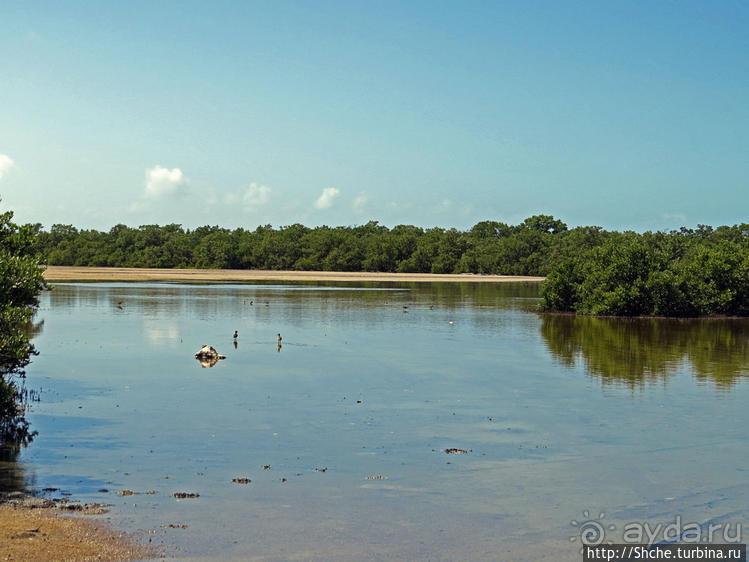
236,334
279,338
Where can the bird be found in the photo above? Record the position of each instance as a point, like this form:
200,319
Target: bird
279,338
236,334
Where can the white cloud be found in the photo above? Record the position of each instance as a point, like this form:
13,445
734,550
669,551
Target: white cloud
256,195
5,164
325,201
161,182
359,203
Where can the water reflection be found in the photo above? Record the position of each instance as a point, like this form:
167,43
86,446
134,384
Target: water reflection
12,475
364,389
156,299
15,429
642,350
16,434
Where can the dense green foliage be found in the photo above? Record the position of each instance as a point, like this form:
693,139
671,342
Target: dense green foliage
590,270
21,281
489,247
699,272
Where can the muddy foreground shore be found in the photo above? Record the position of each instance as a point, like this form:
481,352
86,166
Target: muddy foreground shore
42,530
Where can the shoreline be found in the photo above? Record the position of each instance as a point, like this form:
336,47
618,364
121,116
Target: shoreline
62,273
42,530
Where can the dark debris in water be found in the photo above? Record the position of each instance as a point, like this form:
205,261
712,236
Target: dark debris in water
87,508
457,451
185,495
241,480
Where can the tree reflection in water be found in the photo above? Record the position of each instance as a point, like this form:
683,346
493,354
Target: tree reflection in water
12,474
635,351
15,431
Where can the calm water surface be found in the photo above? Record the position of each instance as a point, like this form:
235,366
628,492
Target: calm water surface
569,423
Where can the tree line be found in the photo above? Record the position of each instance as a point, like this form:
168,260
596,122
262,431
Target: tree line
589,270
489,247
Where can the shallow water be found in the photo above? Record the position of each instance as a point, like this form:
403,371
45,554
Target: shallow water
568,423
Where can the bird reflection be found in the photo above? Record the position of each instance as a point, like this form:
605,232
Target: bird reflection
278,348
235,344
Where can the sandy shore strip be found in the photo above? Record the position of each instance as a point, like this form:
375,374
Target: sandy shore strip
34,529
69,273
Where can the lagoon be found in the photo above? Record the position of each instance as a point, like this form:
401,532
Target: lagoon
569,424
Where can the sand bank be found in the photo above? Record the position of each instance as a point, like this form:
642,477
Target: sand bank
65,273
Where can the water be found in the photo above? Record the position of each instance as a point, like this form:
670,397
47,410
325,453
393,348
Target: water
568,423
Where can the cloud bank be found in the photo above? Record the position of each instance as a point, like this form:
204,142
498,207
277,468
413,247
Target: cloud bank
325,201
162,182
5,164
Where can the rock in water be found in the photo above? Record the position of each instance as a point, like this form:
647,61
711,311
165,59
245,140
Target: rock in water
208,356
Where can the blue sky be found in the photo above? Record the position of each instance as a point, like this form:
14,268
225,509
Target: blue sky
627,115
